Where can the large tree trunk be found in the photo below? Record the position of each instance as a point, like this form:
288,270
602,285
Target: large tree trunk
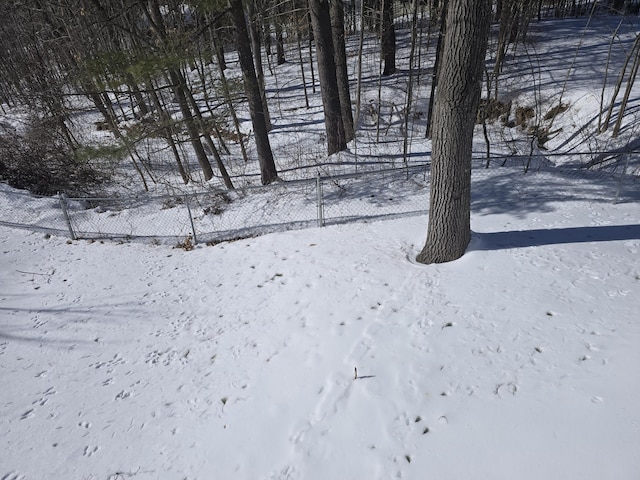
456,104
340,57
252,89
436,66
280,57
179,86
179,89
320,19
255,34
388,38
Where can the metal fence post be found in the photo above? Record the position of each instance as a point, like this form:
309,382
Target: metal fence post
624,173
320,200
193,228
63,206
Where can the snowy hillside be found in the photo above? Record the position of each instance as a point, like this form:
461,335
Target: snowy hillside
237,361
328,353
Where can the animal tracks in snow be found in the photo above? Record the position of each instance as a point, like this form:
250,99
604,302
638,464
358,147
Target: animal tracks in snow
332,396
109,364
38,402
89,451
28,414
13,476
166,357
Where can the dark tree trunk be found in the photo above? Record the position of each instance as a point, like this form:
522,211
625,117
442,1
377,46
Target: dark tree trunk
388,38
179,87
218,47
456,104
255,29
280,57
265,156
436,68
168,130
340,56
320,19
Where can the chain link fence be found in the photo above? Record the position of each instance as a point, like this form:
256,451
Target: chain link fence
218,215
212,216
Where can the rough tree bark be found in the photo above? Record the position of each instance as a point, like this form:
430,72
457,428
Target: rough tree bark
456,104
388,38
255,35
268,169
340,57
436,66
179,87
320,19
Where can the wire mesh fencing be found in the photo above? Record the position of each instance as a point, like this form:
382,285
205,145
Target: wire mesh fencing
32,212
211,216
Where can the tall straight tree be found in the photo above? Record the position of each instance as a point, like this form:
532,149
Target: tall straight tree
179,86
268,171
340,56
255,35
388,38
456,104
334,126
436,67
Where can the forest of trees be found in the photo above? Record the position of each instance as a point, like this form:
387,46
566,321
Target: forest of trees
157,69
135,61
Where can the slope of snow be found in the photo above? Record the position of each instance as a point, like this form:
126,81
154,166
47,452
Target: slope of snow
237,361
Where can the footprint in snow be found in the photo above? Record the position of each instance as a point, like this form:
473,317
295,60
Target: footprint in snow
122,395
13,476
28,414
89,451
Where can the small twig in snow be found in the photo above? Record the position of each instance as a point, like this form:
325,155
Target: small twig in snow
48,275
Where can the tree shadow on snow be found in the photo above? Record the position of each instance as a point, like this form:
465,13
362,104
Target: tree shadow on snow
513,193
553,236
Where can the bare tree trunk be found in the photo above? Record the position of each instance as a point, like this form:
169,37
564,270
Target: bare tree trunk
218,47
313,74
456,106
632,54
194,135
232,111
207,138
302,74
388,38
340,56
614,35
334,127
168,131
104,109
268,169
627,92
409,103
280,57
179,86
359,81
256,47
436,66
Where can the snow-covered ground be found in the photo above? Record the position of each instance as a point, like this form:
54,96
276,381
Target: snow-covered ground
237,361
328,353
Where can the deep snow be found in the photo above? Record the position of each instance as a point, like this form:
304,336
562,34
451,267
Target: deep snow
237,361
